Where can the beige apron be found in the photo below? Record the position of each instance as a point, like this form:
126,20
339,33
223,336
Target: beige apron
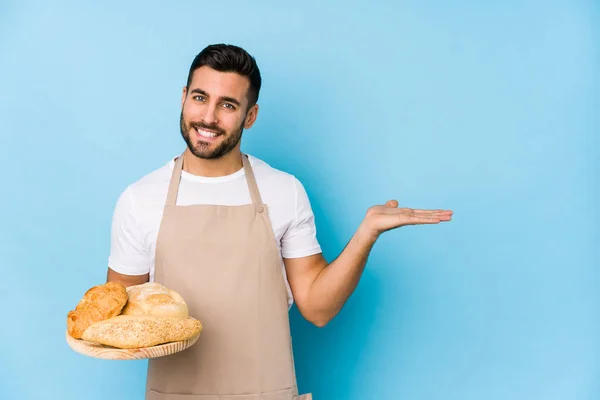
224,261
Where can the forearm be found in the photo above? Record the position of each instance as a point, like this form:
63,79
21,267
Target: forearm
336,282
126,280
322,289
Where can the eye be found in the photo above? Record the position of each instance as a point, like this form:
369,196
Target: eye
198,98
228,105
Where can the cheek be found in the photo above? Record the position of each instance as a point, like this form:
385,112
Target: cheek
189,112
230,122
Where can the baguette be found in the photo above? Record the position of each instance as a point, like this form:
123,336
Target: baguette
135,331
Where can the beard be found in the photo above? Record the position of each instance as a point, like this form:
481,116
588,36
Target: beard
206,150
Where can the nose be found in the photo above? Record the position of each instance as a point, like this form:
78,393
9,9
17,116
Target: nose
209,114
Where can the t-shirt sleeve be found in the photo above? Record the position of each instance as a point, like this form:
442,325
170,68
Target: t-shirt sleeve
128,254
300,239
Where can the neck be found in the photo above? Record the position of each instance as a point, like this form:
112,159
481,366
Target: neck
226,165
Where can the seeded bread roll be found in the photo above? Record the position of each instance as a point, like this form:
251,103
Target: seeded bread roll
99,303
153,299
134,331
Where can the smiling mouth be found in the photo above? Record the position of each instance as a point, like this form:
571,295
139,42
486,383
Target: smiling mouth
206,134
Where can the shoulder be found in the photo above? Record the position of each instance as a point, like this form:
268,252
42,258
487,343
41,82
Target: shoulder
280,187
154,182
267,175
160,176
149,188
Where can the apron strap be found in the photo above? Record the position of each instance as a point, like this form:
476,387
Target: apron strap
250,178
174,184
252,185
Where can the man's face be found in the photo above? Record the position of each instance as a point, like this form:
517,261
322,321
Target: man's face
213,113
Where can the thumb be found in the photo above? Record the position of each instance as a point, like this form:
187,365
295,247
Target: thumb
392,203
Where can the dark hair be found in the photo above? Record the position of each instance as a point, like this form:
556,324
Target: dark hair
229,58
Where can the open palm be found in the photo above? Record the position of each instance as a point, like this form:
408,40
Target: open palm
381,218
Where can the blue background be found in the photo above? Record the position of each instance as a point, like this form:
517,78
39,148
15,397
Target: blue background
490,109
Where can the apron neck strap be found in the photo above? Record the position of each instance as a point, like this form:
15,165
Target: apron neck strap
251,180
176,178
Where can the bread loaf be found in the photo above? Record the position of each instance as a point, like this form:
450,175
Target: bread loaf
153,299
134,331
99,303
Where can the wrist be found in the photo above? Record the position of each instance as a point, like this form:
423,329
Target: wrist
366,235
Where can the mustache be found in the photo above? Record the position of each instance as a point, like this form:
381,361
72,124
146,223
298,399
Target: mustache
211,127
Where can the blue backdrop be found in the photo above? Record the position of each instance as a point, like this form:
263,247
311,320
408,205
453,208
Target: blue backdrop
486,108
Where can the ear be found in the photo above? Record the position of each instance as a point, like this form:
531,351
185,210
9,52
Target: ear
183,95
251,116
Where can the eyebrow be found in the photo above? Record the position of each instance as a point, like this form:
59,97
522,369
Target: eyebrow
222,98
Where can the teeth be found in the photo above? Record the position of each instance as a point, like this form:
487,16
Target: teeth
206,133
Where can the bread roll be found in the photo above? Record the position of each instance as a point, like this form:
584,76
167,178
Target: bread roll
99,303
153,299
134,331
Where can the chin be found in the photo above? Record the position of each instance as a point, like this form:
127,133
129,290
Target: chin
206,152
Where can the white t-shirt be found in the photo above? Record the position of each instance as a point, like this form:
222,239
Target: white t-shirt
139,209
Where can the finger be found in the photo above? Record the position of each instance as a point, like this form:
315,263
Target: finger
432,212
410,211
427,217
441,215
424,220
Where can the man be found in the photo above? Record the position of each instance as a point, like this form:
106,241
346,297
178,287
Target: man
236,238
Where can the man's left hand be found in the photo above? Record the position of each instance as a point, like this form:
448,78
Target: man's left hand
382,218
